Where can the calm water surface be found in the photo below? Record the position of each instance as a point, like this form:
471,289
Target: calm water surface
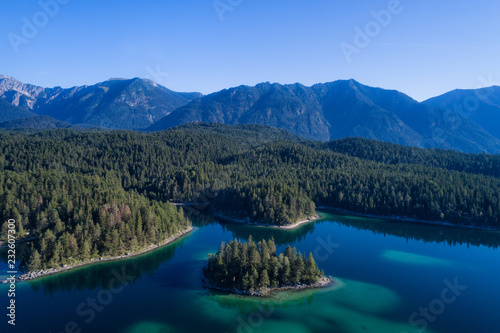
392,278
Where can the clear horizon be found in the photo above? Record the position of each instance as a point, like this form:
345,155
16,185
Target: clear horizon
420,48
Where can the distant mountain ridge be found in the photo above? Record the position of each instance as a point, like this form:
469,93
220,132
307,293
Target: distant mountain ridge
115,104
324,111
11,112
336,110
480,105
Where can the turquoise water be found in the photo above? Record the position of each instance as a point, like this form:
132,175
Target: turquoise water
386,272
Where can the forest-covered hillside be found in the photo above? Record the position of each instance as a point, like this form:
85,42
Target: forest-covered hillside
89,193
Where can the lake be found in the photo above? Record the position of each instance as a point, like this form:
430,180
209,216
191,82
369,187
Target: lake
393,277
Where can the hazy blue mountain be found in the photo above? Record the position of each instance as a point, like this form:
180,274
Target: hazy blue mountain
117,103
10,112
326,111
480,105
35,122
337,110
269,104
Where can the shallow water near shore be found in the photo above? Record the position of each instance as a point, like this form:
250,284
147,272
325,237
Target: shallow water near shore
386,270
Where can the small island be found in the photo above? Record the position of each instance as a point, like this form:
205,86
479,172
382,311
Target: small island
247,268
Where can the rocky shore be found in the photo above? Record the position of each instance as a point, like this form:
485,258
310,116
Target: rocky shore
325,281
37,274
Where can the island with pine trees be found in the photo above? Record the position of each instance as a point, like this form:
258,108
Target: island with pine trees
247,268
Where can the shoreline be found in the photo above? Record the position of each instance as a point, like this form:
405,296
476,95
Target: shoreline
405,219
256,224
35,275
282,227
324,282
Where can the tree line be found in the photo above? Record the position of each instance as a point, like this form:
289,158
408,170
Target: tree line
247,266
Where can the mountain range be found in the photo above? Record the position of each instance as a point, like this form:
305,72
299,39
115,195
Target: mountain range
114,104
337,110
480,105
327,111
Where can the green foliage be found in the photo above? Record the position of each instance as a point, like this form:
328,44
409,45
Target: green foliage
389,153
268,202
73,212
35,262
263,269
87,194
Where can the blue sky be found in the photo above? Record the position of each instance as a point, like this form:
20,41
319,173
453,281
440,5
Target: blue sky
424,48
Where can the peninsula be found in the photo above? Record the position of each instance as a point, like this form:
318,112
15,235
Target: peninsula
34,274
268,225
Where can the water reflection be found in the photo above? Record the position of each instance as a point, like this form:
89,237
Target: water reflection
243,231
427,233
281,237
379,292
408,230
99,275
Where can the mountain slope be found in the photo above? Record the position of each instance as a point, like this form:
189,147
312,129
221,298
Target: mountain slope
10,112
36,122
19,94
337,110
481,106
437,128
352,112
123,104
268,104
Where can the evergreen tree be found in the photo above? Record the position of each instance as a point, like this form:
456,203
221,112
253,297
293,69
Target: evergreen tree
227,270
34,263
264,280
311,270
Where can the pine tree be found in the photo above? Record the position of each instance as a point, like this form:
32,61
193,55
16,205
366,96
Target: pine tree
246,281
272,247
85,250
266,257
34,263
43,250
311,270
285,271
264,280
56,254
274,269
